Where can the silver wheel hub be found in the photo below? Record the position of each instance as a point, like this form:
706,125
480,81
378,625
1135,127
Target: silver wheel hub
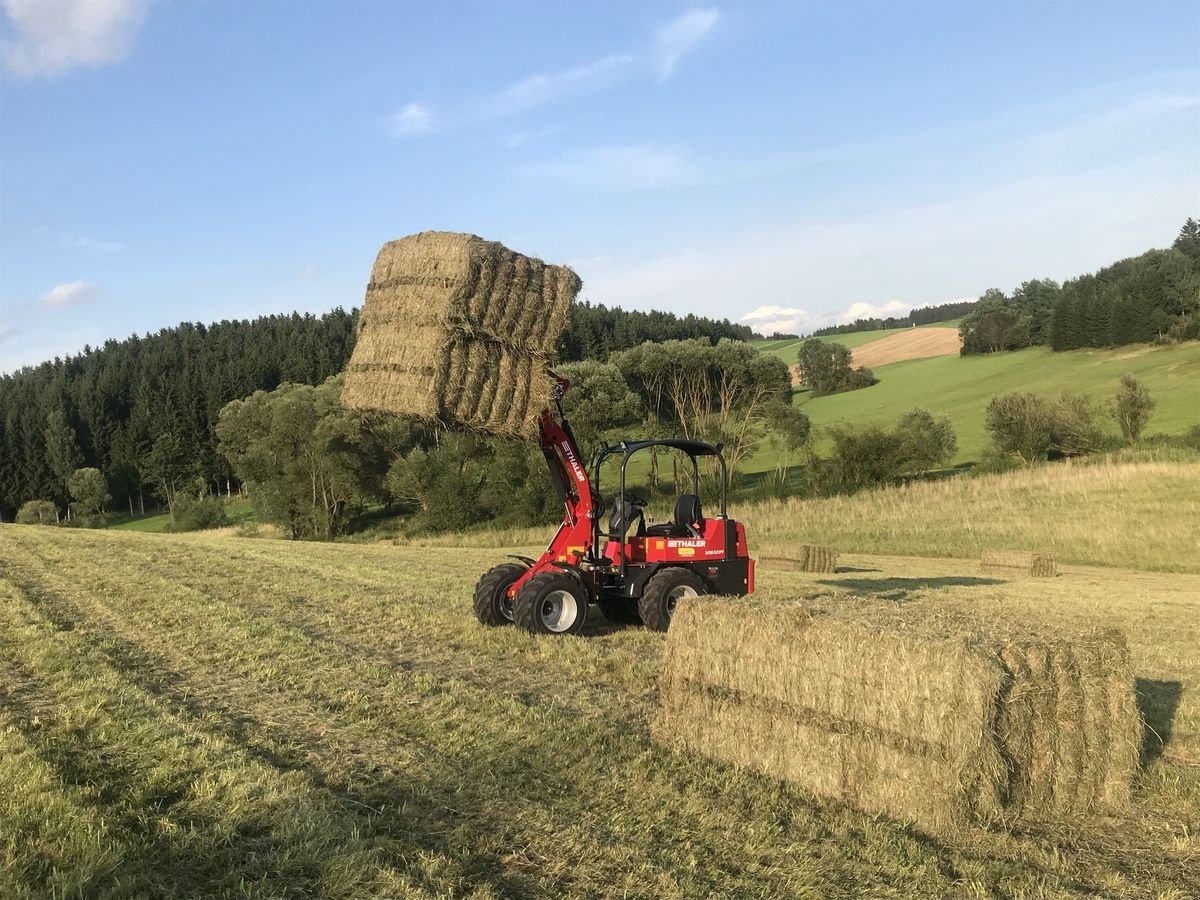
676,594
559,611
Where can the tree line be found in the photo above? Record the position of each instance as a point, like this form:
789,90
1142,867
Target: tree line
924,315
1154,297
144,410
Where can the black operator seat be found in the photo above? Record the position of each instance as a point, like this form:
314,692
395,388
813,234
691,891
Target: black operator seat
687,521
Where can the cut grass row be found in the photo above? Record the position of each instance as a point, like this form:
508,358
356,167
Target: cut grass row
203,716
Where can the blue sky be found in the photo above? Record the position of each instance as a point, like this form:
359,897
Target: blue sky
782,164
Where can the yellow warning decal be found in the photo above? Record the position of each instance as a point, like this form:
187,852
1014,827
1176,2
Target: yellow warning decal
660,545
687,551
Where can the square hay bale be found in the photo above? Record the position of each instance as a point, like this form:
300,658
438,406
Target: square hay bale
459,330
1015,563
476,287
806,558
906,712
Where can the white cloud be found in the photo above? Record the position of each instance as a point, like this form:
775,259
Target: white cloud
53,36
680,35
630,167
71,293
78,242
785,319
413,119
540,89
793,320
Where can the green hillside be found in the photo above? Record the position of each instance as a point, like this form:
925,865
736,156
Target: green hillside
961,387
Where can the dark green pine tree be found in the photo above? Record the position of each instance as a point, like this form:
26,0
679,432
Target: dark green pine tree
1188,241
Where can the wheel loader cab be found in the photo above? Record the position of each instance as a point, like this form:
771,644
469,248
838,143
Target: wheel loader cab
713,547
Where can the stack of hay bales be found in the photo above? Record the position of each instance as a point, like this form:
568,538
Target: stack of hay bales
456,329
1017,563
806,558
902,711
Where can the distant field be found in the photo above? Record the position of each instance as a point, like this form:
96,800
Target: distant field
915,343
787,349
962,386
188,716
1140,515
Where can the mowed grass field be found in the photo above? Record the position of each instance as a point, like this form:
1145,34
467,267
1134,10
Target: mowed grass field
217,716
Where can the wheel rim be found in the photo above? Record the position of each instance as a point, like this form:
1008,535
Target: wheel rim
506,604
560,609
676,594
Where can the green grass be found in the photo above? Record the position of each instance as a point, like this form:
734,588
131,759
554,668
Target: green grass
202,715
961,387
1140,515
159,523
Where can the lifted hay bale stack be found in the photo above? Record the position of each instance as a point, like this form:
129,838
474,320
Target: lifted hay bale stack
807,558
907,712
456,329
1017,563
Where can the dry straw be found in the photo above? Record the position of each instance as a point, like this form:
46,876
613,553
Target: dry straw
1018,563
899,710
458,330
805,558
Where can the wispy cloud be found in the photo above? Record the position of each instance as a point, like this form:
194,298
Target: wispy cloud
72,293
680,35
7,332
793,320
542,88
90,245
617,168
54,36
521,138
412,120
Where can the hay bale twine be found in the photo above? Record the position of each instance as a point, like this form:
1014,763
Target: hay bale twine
456,330
806,558
1016,563
904,710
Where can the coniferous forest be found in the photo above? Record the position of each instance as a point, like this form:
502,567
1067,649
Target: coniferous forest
1152,297
143,410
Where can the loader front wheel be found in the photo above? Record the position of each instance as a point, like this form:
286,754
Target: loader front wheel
551,603
663,592
492,604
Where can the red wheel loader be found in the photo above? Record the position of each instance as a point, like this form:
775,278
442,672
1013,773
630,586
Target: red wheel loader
634,572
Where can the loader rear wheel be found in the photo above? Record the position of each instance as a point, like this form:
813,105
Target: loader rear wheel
620,610
551,603
663,592
492,604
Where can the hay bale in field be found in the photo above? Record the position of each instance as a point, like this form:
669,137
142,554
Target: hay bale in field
1018,563
806,558
476,287
903,711
458,330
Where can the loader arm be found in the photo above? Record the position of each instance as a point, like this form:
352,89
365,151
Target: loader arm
575,537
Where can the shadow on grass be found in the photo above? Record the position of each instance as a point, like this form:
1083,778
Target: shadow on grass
1157,702
899,589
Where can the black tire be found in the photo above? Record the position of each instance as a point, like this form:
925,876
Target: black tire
492,604
664,589
620,610
551,603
